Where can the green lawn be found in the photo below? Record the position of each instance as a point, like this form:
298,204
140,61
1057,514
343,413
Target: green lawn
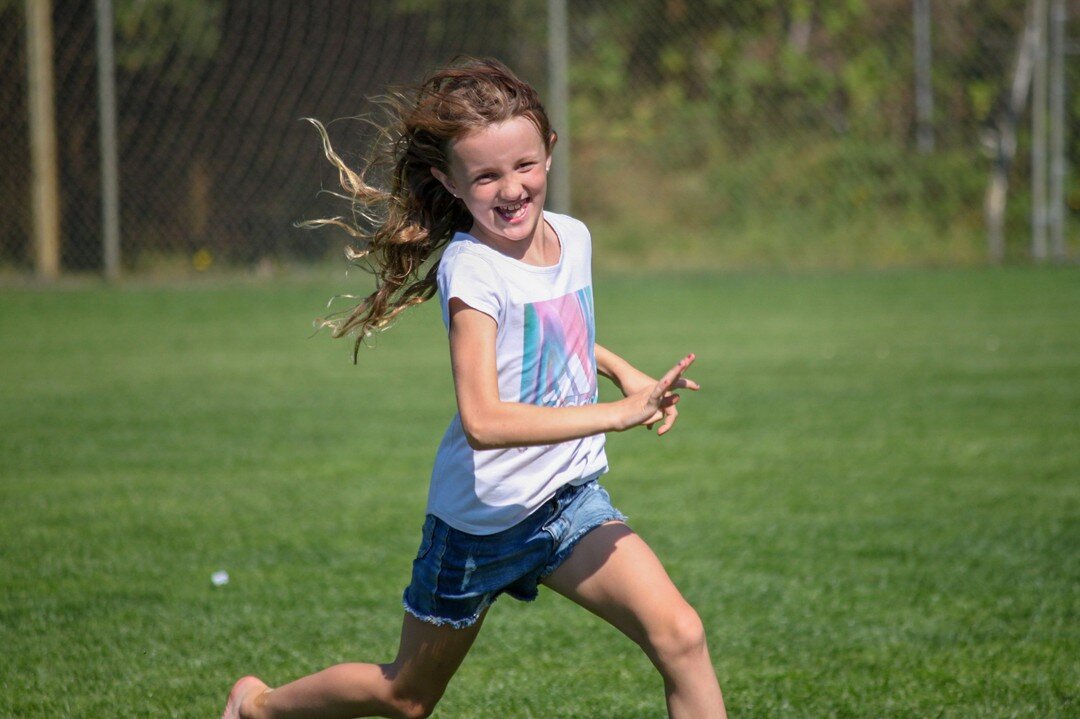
874,502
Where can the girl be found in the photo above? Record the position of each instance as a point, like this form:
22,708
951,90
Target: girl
514,500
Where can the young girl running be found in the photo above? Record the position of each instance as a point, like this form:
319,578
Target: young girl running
514,500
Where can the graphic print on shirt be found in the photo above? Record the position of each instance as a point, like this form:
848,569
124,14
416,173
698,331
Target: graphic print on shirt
558,367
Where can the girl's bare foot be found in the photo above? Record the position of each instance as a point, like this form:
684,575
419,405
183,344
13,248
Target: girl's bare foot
243,693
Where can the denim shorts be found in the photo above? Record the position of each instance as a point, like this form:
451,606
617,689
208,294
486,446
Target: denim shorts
457,575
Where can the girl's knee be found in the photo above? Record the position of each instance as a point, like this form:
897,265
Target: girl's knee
415,702
680,636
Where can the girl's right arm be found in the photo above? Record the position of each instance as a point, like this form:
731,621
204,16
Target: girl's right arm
491,423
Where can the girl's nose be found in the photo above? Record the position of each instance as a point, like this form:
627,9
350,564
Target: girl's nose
510,189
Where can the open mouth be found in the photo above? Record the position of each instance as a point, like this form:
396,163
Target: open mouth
513,212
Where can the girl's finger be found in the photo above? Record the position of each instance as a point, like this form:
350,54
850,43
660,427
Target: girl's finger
669,400
684,383
673,374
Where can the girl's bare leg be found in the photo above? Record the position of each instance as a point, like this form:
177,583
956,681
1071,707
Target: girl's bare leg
613,573
408,688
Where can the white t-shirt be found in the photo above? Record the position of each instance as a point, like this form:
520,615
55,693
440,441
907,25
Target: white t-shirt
544,353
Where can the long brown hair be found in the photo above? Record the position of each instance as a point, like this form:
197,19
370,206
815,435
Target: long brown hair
416,216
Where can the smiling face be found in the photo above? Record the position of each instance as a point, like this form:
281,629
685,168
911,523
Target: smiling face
500,173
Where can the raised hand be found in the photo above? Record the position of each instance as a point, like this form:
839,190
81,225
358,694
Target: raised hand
656,403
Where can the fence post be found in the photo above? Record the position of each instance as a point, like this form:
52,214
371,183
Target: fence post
924,95
43,155
110,176
1038,138
559,102
1056,215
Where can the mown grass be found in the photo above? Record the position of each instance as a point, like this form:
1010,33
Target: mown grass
874,501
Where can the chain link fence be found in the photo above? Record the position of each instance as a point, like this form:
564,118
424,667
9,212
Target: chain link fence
702,132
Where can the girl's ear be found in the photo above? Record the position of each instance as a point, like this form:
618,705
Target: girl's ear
445,180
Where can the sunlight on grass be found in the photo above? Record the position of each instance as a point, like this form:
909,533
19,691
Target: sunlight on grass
873,502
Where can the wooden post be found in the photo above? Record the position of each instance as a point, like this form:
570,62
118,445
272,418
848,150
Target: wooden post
43,154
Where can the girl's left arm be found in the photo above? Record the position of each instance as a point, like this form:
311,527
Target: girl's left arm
627,377
489,422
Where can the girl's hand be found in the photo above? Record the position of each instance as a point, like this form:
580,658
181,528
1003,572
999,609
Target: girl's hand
653,403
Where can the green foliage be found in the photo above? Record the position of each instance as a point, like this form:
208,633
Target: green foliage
169,36
773,67
788,126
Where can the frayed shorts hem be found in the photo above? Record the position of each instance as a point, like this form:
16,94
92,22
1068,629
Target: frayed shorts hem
444,622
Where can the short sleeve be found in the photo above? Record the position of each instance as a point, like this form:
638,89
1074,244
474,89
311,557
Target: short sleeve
472,280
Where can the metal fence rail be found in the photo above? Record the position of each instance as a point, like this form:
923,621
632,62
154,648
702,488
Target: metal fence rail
707,100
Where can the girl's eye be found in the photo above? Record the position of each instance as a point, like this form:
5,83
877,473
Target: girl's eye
526,166
487,177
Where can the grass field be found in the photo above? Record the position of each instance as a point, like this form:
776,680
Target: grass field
874,502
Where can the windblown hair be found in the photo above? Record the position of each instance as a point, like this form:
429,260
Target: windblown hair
398,229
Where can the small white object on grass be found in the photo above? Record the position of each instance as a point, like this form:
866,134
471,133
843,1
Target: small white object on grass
219,578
